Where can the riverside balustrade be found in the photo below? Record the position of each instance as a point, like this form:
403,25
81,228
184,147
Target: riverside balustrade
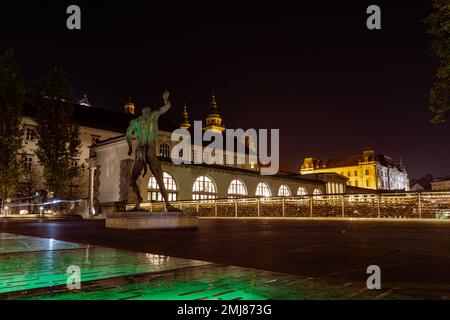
407,205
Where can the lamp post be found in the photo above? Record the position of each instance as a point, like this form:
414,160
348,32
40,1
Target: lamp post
8,200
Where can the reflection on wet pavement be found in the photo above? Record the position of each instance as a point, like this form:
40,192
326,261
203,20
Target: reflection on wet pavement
35,268
18,243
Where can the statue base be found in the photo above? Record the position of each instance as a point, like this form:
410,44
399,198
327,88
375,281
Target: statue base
151,220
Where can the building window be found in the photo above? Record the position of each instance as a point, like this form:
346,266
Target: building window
29,134
169,183
263,190
204,188
164,150
95,139
301,191
74,163
367,183
367,172
317,192
356,183
284,191
28,162
237,189
348,174
356,173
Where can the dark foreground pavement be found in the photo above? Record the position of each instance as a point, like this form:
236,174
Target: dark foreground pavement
413,256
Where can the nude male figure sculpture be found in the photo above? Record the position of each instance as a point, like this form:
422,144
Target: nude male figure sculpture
145,129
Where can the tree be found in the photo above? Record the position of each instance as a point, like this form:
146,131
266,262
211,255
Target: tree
30,183
425,181
57,135
439,27
77,186
12,98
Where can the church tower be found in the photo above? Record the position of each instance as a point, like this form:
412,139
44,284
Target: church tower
129,107
185,120
213,120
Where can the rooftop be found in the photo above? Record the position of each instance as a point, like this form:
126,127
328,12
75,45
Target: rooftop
100,118
352,160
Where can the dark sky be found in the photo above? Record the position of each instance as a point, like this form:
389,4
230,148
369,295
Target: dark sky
313,70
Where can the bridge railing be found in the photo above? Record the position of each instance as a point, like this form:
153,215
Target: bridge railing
407,205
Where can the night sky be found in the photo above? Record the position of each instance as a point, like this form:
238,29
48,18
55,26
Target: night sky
314,71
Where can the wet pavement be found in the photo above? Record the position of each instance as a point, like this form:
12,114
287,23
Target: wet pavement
414,257
38,268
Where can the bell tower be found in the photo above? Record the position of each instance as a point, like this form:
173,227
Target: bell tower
213,120
185,120
129,107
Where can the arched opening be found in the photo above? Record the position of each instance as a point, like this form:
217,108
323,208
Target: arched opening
263,190
317,193
237,189
169,183
204,188
284,191
301,191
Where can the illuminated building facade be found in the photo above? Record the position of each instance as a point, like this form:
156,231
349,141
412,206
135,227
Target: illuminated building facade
440,184
106,165
366,170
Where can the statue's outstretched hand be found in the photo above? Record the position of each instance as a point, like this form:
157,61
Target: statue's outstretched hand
166,96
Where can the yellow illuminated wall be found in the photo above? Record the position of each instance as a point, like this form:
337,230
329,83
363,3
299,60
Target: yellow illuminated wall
362,175
362,172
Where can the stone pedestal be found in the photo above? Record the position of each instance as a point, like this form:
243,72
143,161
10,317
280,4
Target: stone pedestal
151,220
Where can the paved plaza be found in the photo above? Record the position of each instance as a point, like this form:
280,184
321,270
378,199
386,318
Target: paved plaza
226,259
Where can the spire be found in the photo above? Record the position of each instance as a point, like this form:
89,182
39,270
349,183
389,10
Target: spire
84,101
213,120
129,106
185,120
213,101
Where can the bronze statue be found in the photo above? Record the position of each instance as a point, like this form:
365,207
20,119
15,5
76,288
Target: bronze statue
145,128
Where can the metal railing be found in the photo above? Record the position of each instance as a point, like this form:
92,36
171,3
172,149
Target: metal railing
408,205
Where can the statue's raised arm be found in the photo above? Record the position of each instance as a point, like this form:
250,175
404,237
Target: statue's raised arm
167,105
